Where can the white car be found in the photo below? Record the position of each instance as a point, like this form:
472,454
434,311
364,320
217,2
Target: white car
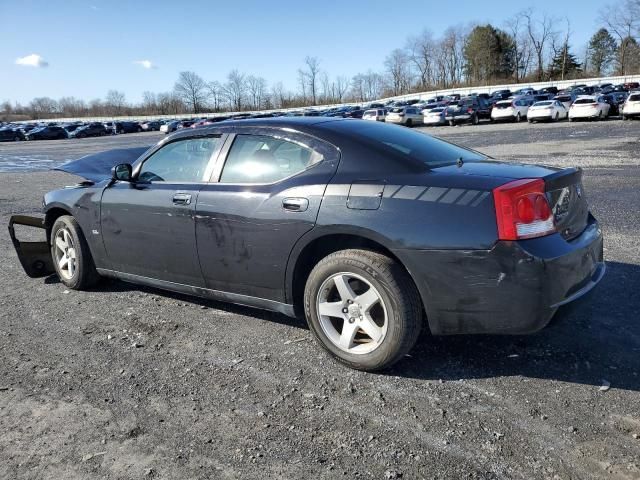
547,110
510,110
589,106
374,114
631,107
407,116
435,116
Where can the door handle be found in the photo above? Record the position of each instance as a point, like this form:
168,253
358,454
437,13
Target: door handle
182,199
295,204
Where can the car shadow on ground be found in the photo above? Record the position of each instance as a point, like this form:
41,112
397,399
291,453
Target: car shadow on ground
594,339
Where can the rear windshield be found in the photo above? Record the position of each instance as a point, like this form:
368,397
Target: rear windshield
398,110
412,144
634,98
437,110
542,104
584,100
564,98
371,112
503,104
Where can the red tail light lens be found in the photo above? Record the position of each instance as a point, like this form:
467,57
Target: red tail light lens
469,110
522,210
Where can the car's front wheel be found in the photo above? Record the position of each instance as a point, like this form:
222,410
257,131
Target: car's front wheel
71,256
363,308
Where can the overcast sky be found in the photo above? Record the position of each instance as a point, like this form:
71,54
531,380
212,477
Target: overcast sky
84,48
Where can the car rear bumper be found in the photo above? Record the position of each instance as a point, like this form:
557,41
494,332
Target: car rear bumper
514,288
458,118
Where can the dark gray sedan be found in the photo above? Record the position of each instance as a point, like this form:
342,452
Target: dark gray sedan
371,231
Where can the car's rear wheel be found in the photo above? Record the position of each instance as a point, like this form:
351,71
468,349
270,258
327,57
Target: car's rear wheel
16,138
71,256
557,117
363,308
452,123
475,120
409,122
518,118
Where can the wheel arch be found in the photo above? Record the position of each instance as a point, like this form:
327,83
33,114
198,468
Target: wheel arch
321,242
52,214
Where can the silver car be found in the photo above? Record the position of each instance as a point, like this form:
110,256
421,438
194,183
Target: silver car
375,114
407,116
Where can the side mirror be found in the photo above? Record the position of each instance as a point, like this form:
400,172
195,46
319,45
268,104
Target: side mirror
121,172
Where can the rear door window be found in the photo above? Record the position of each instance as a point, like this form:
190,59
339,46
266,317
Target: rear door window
265,159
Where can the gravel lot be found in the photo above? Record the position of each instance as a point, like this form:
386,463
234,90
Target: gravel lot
124,382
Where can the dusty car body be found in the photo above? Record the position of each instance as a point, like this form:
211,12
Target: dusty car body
442,215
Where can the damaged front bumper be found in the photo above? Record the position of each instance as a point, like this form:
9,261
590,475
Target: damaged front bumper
35,257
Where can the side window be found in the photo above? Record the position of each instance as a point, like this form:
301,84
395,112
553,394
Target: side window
180,161
265,159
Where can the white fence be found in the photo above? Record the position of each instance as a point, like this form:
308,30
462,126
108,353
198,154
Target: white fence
560,84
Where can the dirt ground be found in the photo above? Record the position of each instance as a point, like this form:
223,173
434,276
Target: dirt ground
125,382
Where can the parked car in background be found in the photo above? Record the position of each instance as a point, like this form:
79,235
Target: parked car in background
110,126
631,86
566,99
549,90
46,133
547,110
511,110
355,112
128,127
501,94
152,126
169,127
11,134
468,110
407,116
94,129
435,116
375,114
589,107
614,110
631,107
524,91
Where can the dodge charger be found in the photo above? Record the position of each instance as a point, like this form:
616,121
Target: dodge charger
372,232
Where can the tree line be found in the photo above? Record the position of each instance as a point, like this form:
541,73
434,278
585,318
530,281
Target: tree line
528,47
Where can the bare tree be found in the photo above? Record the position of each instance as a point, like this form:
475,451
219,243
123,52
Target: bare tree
421,50
399,71
540,33
311,74
235,89
623,22
149,103
257,87
341,87
278,95
191,88
216,94
115,102
43,107
170,103
522,46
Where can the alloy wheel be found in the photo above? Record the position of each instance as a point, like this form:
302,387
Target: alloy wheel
352,313
65,254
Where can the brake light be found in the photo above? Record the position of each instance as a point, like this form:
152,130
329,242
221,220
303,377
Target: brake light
469,110
522,210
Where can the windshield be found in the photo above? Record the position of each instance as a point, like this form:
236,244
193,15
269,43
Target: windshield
410,143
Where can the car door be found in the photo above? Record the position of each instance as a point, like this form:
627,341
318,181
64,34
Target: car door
148,225
264,195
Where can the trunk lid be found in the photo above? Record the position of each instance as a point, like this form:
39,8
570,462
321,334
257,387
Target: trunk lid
564,189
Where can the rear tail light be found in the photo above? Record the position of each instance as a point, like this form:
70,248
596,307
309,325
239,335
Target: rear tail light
522,210
469,110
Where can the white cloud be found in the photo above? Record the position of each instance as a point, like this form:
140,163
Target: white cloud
33,60
148,64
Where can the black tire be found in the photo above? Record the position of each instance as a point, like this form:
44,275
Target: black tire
452,123
518,118
397,291
475,120
409,123
16,138
624,117
557,117
85,274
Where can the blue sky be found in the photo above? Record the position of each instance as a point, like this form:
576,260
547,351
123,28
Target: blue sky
90,46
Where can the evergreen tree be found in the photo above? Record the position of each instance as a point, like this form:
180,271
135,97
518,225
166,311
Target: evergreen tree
602,52
488,54
564,65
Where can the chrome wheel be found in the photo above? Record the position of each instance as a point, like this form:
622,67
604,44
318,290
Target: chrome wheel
65,254
352,313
